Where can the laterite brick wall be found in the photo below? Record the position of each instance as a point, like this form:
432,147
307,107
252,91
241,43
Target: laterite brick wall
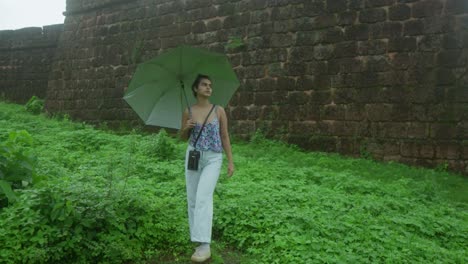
386,78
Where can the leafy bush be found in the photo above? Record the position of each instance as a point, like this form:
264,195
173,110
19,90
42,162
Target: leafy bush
161,146
117,204
17,164
35,105
74,221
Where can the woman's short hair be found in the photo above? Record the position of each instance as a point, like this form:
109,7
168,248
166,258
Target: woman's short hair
197,82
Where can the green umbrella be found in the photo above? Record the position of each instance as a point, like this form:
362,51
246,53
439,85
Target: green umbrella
158,90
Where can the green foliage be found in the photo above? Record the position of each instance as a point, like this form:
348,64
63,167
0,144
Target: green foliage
17,164
364,152
161,146
35,105
442,167
235,42
121,199
135,55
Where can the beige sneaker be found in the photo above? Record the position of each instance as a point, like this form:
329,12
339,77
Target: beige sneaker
201,254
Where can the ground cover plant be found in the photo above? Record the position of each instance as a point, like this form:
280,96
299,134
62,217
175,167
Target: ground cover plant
103,197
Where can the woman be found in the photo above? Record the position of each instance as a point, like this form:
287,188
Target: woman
201,183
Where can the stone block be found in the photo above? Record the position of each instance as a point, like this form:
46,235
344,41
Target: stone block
286,83
346,49
409,149
287,112
282,26
255,71
439,25
280,97
246,98
430,43
243,127
281,40
399,12
323,52
309,38
267,84
428,8
413,27
275,70
464,151
386,30
427,151
379,3
332,112
372,47
454,40
392,129
300,54
314,7
456,6
317,67
445,76
239,113
295,69
335,6
198,27
350,65
443,130
333,35
457,94
379,112
347,18
263,98
324,21
451,59
268,113
403,44
303,127
298,97
286,12
357,32
372,15
447,150
378,64
417,130
237,20
321,97
355,112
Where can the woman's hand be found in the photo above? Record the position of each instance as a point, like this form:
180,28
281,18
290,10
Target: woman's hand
190,124
230,169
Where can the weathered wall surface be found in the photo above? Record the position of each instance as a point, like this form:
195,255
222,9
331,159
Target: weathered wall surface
386,78
25,59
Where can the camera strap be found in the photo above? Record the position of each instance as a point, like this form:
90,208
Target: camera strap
204,123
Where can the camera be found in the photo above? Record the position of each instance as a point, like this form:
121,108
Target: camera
193,159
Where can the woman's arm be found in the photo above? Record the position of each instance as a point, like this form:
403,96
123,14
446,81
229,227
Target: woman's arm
225,139
187,125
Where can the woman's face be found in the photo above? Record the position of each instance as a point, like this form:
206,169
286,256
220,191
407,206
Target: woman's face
204,88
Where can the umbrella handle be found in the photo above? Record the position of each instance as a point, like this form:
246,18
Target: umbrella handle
186,99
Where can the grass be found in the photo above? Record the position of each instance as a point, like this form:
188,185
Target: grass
283,205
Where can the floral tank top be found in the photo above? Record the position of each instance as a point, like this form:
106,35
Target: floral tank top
210,138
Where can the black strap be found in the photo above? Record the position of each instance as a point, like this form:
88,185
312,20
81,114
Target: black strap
204,123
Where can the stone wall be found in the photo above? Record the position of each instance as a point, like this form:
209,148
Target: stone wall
25,59
384,78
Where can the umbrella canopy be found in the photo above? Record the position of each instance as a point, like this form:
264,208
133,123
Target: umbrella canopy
158,87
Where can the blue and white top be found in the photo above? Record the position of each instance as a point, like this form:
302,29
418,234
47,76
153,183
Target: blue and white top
210,138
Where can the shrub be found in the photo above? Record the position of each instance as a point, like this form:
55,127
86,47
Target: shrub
17,164
72,220
161,146
35,105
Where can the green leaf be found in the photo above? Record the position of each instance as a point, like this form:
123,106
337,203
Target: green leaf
5,188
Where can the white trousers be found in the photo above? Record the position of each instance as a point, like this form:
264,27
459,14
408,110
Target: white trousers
200,188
